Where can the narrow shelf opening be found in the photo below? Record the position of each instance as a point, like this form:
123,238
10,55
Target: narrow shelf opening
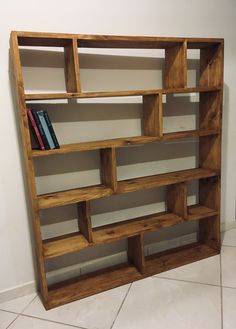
193,67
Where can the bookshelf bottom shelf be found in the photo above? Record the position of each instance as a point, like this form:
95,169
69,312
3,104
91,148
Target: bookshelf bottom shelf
87,285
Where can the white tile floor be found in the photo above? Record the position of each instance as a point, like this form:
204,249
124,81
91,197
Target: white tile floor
199,295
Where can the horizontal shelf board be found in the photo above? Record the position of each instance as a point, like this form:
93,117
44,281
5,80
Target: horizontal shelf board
169,259
90,284
122,142
109,278
198,212
87,146
149,182
111,41
117,231
189,134
73,196
64,245
118,93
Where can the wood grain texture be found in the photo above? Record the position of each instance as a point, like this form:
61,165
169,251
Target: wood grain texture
210,109
211,65
30,173
103,280
176,66
176,199
141,183
152,115
108,168
92,94
84,220
135,252
62,198
209,134
180,256
72,69
209,196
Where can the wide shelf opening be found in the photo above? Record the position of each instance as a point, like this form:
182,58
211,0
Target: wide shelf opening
156,158
69,171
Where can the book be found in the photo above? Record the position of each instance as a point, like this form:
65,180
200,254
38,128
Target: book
46,129
40,128
35,135
50,127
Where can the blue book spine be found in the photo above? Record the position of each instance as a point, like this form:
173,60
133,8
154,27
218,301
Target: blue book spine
46,130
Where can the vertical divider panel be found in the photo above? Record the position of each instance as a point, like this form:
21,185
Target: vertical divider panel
108,167
84,220
152,115
30,173
209,196
176,199
211,66
176,66
136,252
210,110
72,70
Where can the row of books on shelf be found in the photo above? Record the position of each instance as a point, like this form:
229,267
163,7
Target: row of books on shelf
42,134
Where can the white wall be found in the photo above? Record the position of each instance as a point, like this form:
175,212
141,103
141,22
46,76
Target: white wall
199,18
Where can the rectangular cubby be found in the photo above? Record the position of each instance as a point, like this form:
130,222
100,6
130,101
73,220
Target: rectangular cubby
134,188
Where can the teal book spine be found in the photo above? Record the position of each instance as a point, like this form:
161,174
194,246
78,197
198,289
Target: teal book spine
46,130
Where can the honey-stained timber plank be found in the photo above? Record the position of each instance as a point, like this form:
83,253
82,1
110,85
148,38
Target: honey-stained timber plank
173,258
61,198
135,252
30,174
209,196
84,220
108,168
149,182
92,94
176,66
176,199
152,115
211,65
72,70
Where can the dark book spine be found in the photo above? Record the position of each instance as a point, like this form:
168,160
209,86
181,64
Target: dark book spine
50,127
40,128
35,130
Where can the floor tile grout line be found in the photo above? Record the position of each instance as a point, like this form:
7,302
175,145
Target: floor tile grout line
53,321
29,304
227,287
221,294
187,281
13,321
12,312
121,305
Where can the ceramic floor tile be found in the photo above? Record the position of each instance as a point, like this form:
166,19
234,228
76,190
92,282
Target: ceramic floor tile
17,305
6,318
229,307
163,304
95,312
228,263
203,271
23,322
229,238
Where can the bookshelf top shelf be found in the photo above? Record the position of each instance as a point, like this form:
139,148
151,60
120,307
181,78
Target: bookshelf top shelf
110,41
47,96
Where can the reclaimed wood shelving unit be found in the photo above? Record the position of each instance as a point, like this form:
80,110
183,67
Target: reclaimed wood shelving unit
207,212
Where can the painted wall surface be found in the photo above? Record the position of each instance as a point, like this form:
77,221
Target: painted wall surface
212,18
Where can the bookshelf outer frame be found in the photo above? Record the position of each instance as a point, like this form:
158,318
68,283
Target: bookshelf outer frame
209,134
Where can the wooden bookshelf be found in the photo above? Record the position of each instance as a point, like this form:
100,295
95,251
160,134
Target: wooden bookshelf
206,213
